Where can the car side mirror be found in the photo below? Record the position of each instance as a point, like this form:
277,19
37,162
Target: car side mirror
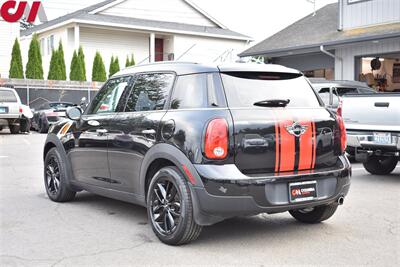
334,99
74,113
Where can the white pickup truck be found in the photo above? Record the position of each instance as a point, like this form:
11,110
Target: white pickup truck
373,130
13,114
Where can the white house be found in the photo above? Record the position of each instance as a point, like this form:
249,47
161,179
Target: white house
153,30
340,41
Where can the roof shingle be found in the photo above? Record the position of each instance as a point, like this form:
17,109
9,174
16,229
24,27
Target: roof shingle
313,31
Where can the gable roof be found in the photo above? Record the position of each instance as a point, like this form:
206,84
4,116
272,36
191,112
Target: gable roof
313,31
90,15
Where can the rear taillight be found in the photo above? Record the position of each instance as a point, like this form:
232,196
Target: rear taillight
21,110
343,137
216,139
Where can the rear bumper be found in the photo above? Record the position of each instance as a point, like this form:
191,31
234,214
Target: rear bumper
366,140
222,198
365,146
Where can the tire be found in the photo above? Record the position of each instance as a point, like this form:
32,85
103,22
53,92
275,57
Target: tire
25,125
14,129
55,176
42,127
171,212
381,165
316,215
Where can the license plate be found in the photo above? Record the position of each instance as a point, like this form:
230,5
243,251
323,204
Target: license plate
302,191
383,138
3,110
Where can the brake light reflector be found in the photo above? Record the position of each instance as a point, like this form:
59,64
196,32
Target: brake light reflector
216,139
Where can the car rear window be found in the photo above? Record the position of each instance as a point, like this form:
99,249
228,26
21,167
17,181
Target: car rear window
7,96
243,89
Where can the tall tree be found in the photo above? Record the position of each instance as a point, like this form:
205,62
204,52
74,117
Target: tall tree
127,62
34,68
132,62
82,64
54,68
114,66
16,68
99,70
73,73
61,62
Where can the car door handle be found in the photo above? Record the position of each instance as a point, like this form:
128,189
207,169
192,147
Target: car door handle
150,132
382,104
101,131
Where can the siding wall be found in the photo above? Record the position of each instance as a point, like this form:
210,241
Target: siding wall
370,12
161,10
8,33
204,49
346,71
112,43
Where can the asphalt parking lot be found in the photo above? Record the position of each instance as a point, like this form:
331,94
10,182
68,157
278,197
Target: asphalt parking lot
96,231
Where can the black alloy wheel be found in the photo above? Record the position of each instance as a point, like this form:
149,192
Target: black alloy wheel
170,207
53,175
165,206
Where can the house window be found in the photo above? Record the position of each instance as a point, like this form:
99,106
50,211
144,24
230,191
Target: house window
50,44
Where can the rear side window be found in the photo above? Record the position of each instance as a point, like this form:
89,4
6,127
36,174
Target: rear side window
150,92
243,89
7,96
198,91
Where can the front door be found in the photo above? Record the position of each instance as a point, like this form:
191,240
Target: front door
136,129
159,46
89,156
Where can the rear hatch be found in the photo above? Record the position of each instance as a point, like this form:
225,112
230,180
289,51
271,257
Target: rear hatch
383,112
287,132
8,102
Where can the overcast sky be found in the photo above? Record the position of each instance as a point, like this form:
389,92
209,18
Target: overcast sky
256,18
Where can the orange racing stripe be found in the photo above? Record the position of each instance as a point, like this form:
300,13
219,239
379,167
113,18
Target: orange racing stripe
287,155
306,147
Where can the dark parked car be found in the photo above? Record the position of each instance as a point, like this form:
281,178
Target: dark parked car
48,114
197,144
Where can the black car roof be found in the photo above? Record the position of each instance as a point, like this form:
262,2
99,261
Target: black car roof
184,68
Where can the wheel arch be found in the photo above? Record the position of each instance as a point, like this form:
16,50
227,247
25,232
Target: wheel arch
162,155
53,141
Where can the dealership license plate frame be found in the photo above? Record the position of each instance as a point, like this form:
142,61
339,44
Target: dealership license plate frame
382,138
305,186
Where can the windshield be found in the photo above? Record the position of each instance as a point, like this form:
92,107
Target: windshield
244,89
7,96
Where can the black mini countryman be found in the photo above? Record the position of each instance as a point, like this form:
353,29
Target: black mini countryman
197,144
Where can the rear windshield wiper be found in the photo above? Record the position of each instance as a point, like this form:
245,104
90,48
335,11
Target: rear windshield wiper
272,103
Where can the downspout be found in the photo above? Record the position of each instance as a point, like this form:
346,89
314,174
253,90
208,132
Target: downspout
340,16
322,49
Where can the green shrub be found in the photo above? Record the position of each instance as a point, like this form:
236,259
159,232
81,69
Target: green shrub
54,69
34,68
61,62
82,64
99,70
16,68
114,66
130,62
